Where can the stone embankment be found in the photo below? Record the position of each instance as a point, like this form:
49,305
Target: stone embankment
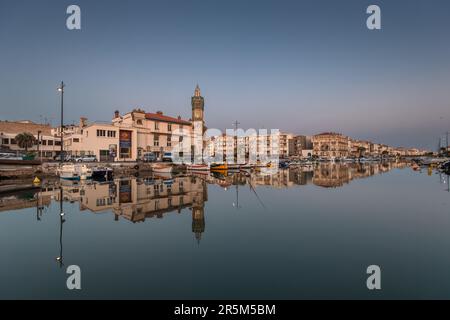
48,169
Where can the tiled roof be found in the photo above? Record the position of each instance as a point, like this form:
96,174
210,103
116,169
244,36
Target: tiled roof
164,118
15,127
329,134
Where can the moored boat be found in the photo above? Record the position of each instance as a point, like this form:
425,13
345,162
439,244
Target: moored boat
74,172
219,167
102,173
162,169
198,167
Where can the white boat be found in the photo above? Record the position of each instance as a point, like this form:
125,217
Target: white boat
162,169
198,167
74,172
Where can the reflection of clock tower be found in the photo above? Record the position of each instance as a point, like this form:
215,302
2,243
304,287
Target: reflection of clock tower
198,124
198,210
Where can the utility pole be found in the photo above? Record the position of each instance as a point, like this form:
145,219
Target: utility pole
61,89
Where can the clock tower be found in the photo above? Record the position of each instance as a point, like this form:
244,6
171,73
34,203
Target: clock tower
198,106
198,125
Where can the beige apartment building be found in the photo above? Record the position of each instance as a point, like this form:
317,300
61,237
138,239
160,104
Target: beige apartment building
127,137
331,145
48,138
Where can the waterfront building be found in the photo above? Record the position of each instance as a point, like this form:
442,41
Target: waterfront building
301,146
48,138
360,148
284,145
330,145
127,137
99,139
142,132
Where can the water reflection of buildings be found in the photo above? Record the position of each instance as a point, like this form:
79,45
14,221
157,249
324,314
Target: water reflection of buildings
139,199
328,175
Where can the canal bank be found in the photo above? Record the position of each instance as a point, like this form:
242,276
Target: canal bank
25,170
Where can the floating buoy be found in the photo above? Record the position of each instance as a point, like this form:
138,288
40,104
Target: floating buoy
36,180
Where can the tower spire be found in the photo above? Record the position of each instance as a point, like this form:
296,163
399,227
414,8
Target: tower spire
197,91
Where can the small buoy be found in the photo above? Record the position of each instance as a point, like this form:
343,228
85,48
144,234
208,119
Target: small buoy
62,214
36,180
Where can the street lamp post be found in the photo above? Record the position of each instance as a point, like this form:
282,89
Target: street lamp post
38,145
61,89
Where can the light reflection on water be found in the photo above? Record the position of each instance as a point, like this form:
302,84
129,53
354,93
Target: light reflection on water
301,233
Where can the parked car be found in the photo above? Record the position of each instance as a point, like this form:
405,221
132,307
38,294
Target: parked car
10,156
167,157
66,158
85,159
149,157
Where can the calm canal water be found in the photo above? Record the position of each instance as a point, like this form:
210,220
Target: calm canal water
301,233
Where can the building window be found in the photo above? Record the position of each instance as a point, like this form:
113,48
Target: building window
169,127
101,133
44,142
139,122
5,141
156,141
156,125
50,142
111,134
76,140
58,143
180,139
169,141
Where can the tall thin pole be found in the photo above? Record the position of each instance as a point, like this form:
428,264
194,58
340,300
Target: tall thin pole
236,125
61,89
446,145
38,143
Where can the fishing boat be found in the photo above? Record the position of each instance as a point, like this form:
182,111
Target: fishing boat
162,169
74,172
198,167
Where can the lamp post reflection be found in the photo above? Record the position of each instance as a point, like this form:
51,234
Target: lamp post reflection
59,259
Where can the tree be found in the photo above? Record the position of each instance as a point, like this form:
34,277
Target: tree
25,140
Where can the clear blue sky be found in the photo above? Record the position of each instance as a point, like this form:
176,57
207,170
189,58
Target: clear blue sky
300,66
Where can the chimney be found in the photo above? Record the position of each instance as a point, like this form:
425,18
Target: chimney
83,121
179,117
159,112
116,114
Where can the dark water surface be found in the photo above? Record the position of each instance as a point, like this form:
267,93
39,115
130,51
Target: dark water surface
301,233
